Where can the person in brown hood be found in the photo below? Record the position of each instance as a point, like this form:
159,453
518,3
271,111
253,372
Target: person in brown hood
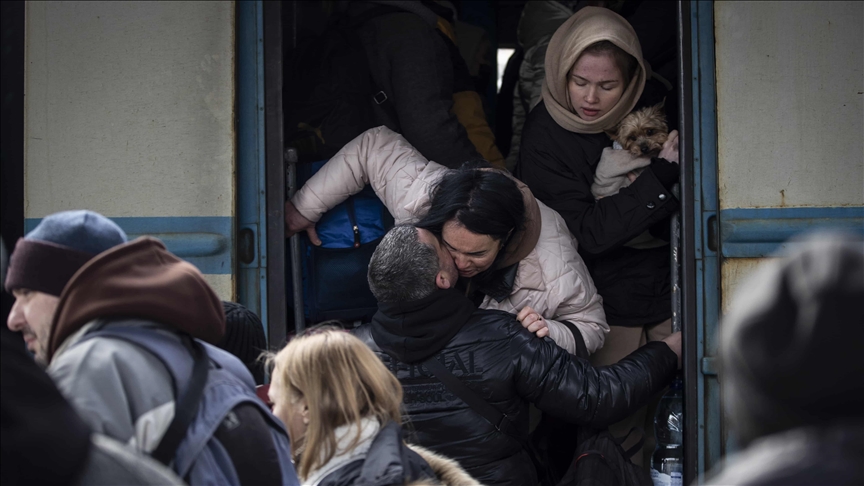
94,338
38,426
75,268
42,264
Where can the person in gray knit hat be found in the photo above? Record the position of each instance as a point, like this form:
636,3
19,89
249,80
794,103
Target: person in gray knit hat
44,261
791,351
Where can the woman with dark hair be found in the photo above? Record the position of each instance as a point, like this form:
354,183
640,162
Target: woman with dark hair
595,75
481,209
512,252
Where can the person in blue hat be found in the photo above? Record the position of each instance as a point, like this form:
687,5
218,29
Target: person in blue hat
44,261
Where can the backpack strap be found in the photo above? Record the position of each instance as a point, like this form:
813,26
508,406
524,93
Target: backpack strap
500,421
186,407
188,399
349,26
629,453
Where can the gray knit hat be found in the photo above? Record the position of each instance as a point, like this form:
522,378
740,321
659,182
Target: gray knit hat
47,257
792,345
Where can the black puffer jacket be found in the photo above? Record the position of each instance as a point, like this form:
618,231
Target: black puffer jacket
510,368
558,166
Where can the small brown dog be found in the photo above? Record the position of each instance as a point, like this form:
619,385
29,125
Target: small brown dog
642,132
638,137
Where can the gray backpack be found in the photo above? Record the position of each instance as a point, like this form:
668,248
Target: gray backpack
209,384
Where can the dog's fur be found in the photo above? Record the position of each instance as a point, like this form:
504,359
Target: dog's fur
642,132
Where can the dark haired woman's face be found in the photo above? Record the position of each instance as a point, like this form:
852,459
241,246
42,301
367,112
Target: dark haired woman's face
595,85
473,253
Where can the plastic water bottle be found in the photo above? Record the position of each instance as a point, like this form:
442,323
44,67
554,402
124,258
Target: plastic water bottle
667,463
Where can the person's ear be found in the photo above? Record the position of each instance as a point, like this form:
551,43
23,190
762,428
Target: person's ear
305,413
442,281
506,239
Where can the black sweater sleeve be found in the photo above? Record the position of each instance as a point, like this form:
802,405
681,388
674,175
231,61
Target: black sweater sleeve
558,167
571,389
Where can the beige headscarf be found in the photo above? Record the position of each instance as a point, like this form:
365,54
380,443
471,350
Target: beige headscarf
585,27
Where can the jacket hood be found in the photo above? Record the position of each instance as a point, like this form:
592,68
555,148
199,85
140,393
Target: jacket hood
541,19
588,26
388,460
144,280
413,331
524,241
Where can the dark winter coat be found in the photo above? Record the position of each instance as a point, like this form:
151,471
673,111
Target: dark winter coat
558,166
388,461
411,63
508,367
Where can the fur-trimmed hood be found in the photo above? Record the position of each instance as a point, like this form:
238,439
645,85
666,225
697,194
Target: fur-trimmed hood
448,471
139,279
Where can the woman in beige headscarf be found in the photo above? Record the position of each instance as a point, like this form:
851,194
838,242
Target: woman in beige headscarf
595,75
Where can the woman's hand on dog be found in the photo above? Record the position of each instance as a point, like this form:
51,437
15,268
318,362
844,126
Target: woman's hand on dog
670,147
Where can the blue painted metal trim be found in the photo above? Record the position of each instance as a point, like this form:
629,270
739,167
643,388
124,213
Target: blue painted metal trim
706,204
251,182
755,233
707,102
700,352
202,241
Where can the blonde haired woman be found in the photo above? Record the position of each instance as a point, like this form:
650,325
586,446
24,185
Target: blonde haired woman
341,407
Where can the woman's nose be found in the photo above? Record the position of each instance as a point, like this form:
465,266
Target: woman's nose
461,262
591,95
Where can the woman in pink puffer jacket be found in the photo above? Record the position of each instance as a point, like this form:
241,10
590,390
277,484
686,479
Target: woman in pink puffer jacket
544,280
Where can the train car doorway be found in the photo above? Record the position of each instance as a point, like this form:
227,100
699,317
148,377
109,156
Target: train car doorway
284,24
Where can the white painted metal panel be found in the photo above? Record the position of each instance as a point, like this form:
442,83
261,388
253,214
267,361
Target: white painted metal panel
129,108
735,271
790,103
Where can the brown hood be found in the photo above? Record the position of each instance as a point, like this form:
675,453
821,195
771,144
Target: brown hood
523,242
139,279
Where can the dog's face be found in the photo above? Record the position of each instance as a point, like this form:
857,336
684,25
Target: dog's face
642,132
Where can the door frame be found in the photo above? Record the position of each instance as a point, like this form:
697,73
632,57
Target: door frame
705,426
251,238
690,256
700,293
274,152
